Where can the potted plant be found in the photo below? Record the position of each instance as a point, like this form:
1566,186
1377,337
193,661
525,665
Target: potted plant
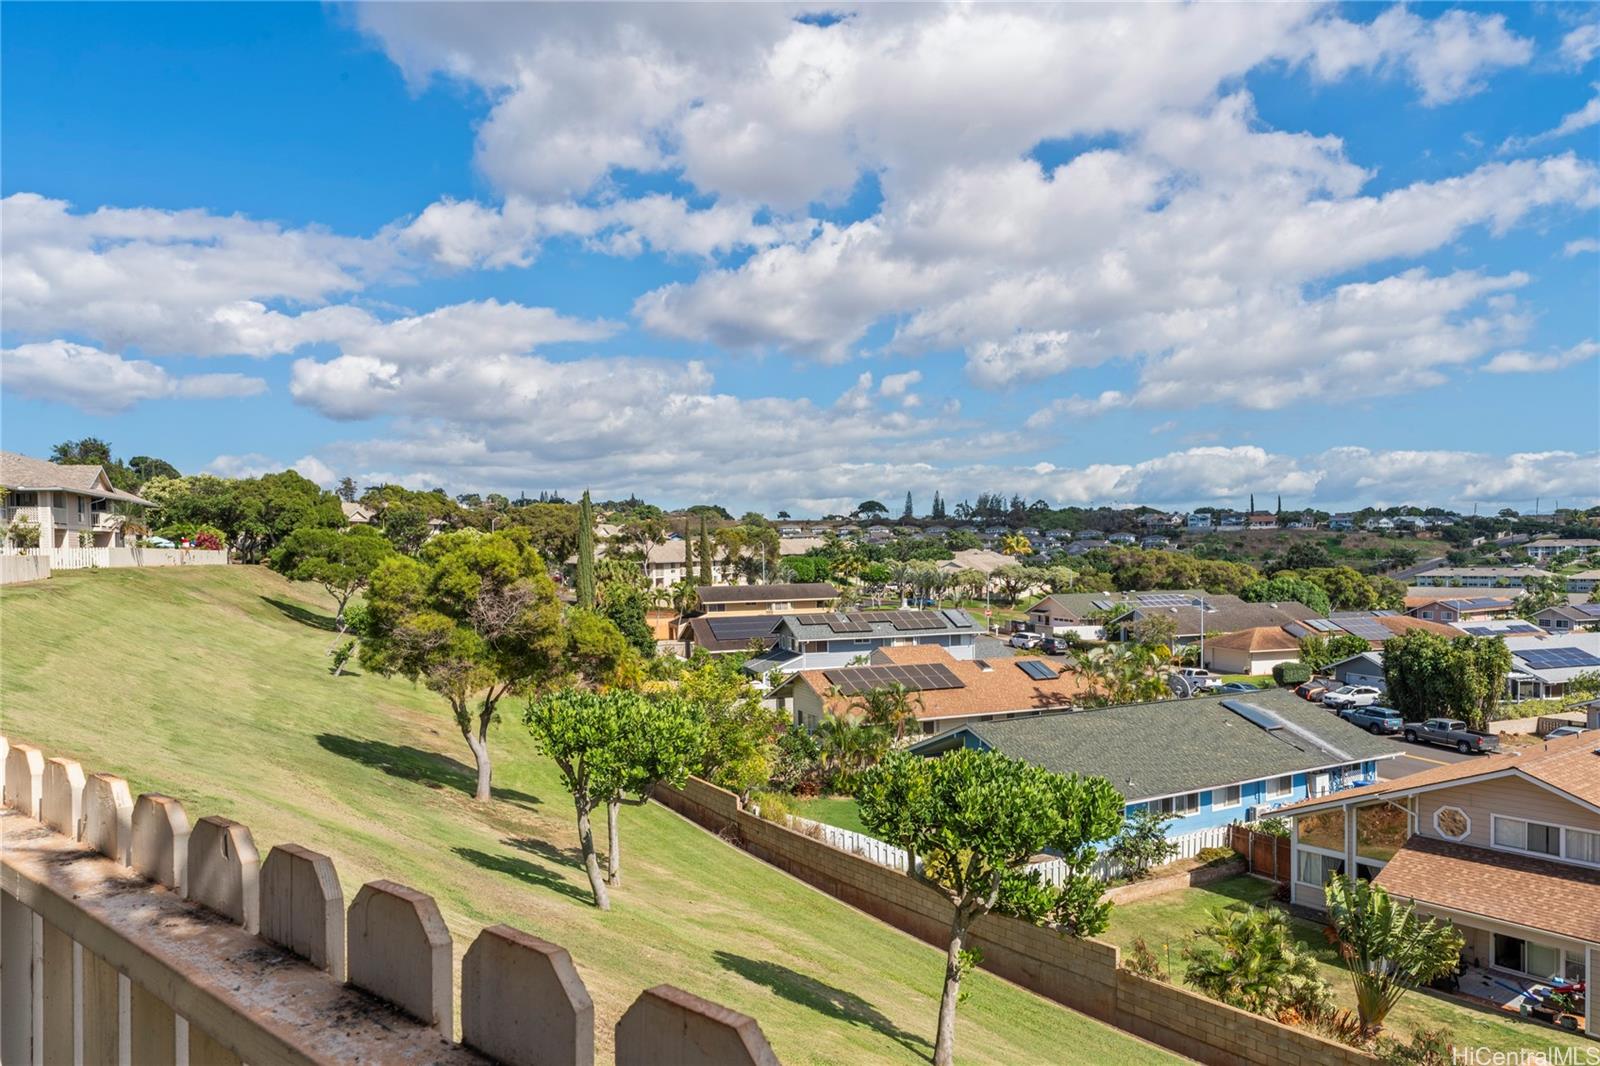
1565,1008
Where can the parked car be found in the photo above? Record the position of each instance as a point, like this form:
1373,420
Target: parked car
1351,696
1375,720
1565,731
1202,680
1056,645
1311,690
1452,733
1239,686
1026,639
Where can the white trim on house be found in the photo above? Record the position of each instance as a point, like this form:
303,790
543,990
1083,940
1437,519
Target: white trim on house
1417,790
1437,828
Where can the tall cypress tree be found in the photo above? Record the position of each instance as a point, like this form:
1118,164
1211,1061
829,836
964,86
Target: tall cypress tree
688,551
586,553
705,553
907,513
1252,503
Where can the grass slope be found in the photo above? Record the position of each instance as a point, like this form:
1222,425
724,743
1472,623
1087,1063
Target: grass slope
212,684
1170,920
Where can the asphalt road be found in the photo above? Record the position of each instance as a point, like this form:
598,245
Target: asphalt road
1418,757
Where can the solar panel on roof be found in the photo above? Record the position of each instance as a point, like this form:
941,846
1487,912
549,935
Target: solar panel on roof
916,677
1101,605
1323,625
742,628
1557,658
958,617
1256,716
1295,629
1368,628
847,623
1037,669
1165,599
1590,609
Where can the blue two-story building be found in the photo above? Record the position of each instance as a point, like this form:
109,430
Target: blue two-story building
1207,762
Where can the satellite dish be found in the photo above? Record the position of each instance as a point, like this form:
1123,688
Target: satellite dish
1181,686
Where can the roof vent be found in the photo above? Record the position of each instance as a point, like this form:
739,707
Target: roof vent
984,665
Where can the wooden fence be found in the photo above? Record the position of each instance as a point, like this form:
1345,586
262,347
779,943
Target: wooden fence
1267,855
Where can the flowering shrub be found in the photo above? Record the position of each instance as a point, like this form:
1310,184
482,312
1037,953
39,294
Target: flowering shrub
208,540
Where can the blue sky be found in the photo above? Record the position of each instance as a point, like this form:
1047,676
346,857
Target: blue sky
1345,254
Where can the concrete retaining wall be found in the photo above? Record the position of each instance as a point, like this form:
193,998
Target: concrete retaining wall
15,569
1082,974
159,961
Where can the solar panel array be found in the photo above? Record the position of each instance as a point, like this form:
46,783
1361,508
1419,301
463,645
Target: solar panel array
958,617
863,621
1368,628
917,677
1323,625
1165,599
1590,609
1037,669
1557,658
742,627
1477,603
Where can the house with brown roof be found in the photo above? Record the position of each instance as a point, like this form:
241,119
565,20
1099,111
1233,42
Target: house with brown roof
1258,649
947,692
1462,609
73,505
767,599
1506,848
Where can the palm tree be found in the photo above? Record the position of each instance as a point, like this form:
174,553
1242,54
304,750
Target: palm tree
1248,957
1385,946
848,747
892,708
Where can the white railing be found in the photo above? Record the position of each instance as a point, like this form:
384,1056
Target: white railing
1053,871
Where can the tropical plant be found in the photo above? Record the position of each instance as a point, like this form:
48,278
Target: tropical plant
742,732
892,708
23,532
1248,957
1386,947
975,819
849,746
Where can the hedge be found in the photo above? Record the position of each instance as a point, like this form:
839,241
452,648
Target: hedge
1288,674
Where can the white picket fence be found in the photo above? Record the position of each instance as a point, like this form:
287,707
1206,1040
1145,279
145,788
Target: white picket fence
73,558
1053,870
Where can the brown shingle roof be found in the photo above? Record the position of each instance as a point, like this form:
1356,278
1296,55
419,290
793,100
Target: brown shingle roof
1258,638
1570,764
816,590
1556,897
1002,689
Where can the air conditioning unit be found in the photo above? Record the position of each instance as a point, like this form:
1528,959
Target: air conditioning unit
1250,814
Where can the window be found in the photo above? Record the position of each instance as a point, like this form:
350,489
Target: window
1325,829
1381,829
1178,806
60,500
1527,956
1315,869
1223,798
1279,787
1538,838
1451,823
80,506
1583,846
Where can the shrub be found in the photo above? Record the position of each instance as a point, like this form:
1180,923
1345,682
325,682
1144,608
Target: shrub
1273,826
1216,856
1248,957
1142,962
1428,1047
771,806
1287,675
1142,843
23,532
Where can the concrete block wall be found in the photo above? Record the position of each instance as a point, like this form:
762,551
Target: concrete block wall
130,935
1082,974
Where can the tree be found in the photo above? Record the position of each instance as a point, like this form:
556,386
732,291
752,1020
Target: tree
624,604
346,490
975,819
1430,676
871,509
1015,544
1155,631
892,708
552,527
90,451
741,732
145,467
1306,555
1386,947
1284,587
907,514
1539,593
341,561
474,618
1142,843
1012,580
610,746
585,580
1317,652
1248,957
703,553
849,746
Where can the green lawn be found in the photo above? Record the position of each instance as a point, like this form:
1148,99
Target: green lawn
1168,921
1258,680
838,811
212,684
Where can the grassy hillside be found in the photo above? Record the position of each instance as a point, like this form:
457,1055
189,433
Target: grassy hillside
212,684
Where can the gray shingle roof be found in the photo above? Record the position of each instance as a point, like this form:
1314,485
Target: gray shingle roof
879,622
815,590
27,473
1161,749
